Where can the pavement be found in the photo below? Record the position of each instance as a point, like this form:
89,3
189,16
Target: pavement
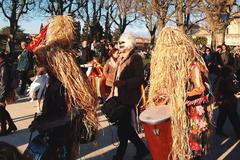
105,146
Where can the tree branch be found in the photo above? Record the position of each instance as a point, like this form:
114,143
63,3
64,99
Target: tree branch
3,10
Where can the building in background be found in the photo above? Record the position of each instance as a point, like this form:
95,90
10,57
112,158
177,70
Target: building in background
232,36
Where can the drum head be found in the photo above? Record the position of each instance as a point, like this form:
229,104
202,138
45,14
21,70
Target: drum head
155,115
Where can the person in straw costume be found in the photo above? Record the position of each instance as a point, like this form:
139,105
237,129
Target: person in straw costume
68,86
176,79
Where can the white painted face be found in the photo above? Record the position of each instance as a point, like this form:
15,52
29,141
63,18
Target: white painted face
126,42
122,44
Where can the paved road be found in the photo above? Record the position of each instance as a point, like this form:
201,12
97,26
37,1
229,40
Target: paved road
23,113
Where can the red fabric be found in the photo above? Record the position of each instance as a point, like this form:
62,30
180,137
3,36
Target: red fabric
97,71
37,39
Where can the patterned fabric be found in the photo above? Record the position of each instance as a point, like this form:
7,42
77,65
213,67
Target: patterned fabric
196,109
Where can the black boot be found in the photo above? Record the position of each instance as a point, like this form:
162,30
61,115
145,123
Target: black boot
116,158
143,155
12,127
221,133
3,129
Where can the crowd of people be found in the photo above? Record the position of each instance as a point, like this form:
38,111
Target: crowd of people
75,81
223,67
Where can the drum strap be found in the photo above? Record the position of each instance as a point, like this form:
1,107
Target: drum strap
142,96
138,110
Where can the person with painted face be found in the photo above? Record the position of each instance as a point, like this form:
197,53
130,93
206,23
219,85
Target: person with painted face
127,87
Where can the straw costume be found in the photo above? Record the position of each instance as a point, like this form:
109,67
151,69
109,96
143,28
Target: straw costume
53,49
177,79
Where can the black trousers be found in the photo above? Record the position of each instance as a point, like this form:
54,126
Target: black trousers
5,117
229,111
126,132
23,75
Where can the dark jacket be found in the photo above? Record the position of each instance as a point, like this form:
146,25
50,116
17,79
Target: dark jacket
131,71
87,55
24,61
54,104
213,61
4,81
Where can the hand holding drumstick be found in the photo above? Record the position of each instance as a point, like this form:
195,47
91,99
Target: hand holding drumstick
161,99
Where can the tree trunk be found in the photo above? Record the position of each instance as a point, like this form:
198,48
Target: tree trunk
152,34
218,38
152,38
60,7
107,26
179,15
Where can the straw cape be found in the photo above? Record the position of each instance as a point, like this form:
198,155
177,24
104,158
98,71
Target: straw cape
56,53
171,65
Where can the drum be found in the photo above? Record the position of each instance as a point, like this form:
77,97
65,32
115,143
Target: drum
157,127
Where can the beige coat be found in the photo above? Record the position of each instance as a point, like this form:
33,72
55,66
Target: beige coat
109,70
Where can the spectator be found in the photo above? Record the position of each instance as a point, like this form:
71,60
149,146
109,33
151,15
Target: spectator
110,47
103,50
227,57
87,54
93,45
236,62
227,101
38,86
110,68
9,152
127,84
4,89
213,62
24,65
9,45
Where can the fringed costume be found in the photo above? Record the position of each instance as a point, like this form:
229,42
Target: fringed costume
68,87
176,79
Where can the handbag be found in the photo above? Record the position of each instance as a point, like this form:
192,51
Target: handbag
114,110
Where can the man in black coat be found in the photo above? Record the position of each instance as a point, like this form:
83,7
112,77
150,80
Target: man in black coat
4,90
87,54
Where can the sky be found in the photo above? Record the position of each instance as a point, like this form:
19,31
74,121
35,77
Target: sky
32,25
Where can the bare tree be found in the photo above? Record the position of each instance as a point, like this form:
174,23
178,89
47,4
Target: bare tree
126,14
13,10
59,7
161,9
91,15
219,14
145,9
110,10
187,14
